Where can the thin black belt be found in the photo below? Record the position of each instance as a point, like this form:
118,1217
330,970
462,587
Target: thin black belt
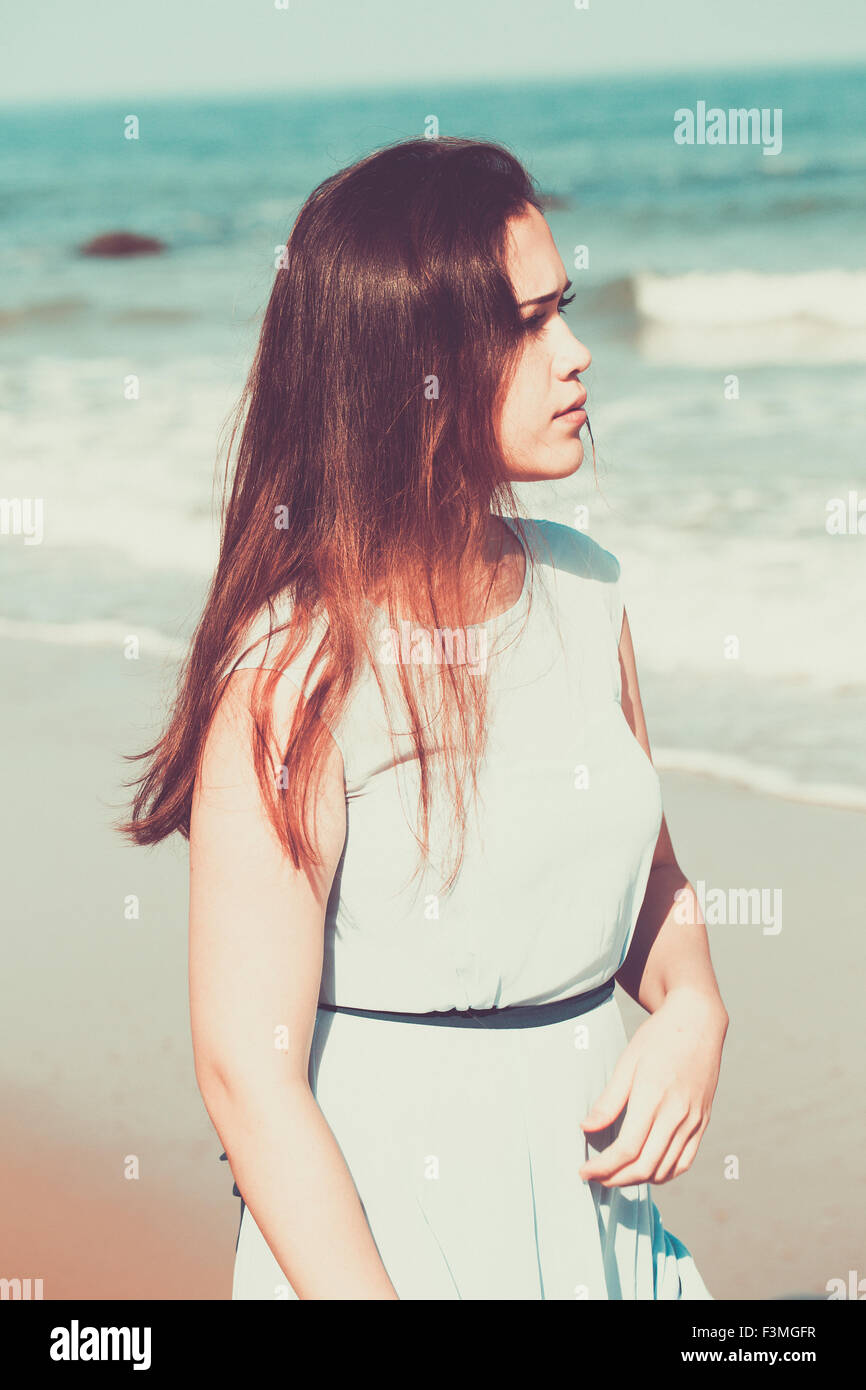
512,1016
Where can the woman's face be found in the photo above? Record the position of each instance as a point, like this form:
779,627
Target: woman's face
538,440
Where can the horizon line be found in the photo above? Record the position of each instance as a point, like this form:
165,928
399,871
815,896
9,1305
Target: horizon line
411,85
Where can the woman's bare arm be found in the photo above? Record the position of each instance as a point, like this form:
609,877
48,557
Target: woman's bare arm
255,961
666,953
667,1075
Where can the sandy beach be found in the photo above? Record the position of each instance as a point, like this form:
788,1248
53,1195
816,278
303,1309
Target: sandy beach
96,1072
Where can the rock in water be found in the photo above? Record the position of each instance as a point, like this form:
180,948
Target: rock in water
122,244
554,202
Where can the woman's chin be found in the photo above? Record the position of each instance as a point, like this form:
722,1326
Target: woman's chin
567,463
559,463
578,460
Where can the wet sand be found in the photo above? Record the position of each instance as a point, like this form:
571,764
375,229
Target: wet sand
96,1069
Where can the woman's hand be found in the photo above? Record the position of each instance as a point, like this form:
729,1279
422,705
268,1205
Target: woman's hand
668,1074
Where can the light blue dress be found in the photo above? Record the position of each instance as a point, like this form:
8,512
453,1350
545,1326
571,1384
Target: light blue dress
465,1143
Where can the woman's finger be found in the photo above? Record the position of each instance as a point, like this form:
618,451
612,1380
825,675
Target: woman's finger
685,1132
687,1156
668,1122
643,1104
614,1096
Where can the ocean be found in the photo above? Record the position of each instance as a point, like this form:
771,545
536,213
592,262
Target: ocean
723,296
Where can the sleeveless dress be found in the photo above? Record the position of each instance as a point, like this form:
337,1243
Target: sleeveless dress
464,1143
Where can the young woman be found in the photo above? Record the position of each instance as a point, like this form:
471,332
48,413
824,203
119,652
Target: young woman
426,834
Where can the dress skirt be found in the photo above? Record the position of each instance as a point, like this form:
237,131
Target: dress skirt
464,1144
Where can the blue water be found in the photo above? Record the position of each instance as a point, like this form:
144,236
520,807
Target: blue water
704,261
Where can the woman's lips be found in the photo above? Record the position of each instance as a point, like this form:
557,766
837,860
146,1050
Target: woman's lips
575,416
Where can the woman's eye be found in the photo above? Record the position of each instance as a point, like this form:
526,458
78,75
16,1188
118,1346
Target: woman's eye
537,321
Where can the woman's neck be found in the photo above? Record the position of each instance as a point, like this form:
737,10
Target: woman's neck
497,581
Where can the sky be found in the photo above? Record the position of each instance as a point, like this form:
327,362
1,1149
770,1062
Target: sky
93,49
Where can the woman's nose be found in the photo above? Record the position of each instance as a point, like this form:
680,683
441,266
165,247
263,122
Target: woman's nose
575,358
585,355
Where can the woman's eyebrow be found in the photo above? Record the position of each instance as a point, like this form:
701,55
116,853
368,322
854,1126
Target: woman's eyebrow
543,298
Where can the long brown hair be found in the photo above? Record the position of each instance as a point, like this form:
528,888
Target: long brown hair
368,462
